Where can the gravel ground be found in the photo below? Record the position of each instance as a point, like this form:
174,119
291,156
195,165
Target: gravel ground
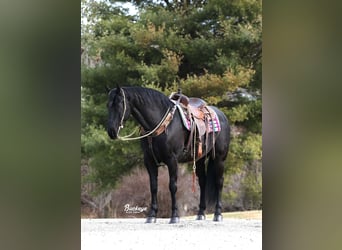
101,234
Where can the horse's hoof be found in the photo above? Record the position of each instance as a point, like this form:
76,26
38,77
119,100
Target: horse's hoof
151,220
174,220
200,217
218,217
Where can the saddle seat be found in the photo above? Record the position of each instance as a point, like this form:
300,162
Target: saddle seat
196,107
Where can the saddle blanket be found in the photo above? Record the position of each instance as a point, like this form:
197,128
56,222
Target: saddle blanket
214,123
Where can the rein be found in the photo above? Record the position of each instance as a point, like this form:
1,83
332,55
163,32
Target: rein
128,137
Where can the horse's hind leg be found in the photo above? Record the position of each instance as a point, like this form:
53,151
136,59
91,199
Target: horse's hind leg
200,172
153,174
219,170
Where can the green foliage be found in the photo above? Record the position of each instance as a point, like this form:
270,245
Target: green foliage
212,87
165,71
252,187
247,114
208,48
243,172
244,149
110,159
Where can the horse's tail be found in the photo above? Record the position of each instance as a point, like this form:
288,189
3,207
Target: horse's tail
211,187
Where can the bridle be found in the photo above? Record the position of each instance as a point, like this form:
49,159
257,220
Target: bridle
128,137
124,110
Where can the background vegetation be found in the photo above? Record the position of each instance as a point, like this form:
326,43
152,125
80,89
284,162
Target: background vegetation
211,49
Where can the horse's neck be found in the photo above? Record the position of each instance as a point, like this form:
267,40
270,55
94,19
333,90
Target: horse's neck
148,116
141,118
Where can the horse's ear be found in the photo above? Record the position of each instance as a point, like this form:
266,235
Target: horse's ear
118,90
107,89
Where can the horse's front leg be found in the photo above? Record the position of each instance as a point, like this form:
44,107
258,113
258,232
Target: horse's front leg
173,174
152,169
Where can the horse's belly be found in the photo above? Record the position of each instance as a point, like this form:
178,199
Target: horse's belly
185,156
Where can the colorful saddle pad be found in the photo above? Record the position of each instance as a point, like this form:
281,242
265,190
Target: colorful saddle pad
213,121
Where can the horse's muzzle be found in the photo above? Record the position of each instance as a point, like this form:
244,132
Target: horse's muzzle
112,133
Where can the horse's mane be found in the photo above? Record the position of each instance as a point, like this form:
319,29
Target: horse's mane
147,96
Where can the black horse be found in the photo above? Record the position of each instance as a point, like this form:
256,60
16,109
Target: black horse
149,107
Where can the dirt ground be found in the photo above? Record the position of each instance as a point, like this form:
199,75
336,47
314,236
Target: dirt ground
232,233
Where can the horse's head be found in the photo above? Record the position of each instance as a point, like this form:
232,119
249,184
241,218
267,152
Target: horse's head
118,111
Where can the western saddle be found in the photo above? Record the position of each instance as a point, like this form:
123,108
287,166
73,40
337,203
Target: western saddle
199,114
